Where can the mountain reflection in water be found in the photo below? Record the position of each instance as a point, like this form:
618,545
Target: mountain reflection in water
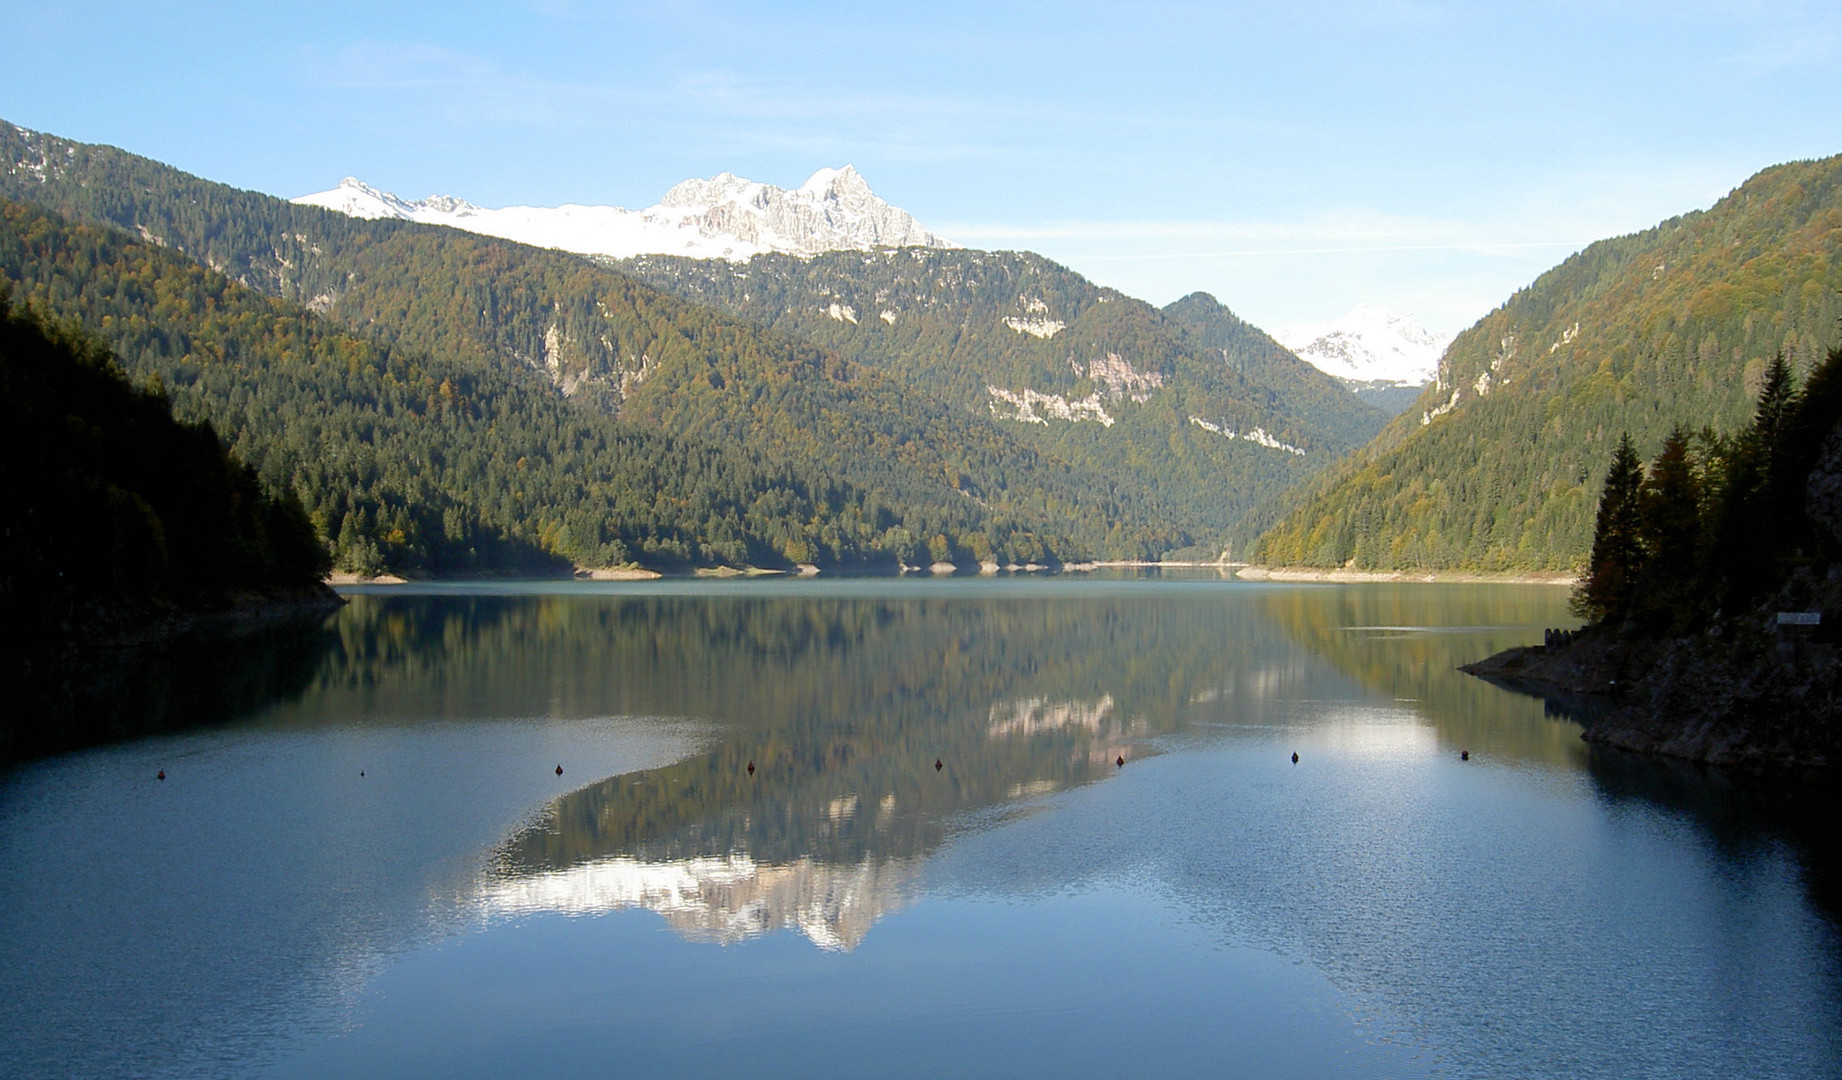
849,705
720,899
397,789
849,702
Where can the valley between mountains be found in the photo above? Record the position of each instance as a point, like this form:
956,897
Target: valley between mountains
750,376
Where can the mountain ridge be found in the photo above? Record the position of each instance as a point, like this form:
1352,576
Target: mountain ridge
1136,394
725,216
1495,465
921,483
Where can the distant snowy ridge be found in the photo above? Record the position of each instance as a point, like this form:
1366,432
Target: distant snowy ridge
724,217
1370,345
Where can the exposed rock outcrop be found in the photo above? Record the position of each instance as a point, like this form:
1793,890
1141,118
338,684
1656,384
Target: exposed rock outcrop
1746,691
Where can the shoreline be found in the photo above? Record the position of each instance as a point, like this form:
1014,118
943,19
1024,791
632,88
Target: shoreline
1432,577
346,577
1746,697
1241,570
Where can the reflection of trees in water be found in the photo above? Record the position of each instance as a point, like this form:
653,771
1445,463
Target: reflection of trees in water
1738,813
215,675
1406,642
842,704
768,663
1742,814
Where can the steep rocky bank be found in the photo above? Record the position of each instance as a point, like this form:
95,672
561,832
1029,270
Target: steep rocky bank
1745,691
1752,695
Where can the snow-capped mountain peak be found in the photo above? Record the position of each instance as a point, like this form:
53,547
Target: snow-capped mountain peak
1369,344
827,181
725,216
358,199
723,187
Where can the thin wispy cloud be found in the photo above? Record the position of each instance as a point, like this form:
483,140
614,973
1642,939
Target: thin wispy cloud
1166,147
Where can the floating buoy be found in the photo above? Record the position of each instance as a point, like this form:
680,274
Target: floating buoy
937,765
1120,761
161,775
361,772
1295,757
559,770
1464,755
751,768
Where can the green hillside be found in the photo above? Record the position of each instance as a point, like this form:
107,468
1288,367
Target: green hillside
1202,412
427,464
110,498
1497,466
914,479
118,520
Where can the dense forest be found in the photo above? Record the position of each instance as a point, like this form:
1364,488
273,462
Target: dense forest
1712,591
1162,402
1496,466
117,516
1716,519
876,471
427,464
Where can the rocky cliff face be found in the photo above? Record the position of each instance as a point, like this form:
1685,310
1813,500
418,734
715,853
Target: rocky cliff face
725,217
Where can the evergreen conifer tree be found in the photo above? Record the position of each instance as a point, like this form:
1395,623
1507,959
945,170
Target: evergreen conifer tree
1670,528
1669,507
1617,556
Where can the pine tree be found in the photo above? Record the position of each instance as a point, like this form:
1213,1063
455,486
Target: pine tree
1777,399
1604,593
1669,508
1671,528
1748,521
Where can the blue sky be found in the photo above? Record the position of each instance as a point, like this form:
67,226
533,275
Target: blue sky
1293,159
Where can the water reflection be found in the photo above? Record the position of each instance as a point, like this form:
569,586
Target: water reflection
269,886
720,899
844,708
218,674
1402,641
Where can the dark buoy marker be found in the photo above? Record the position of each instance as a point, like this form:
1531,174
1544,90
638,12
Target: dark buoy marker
751,768
1295,757
161,775
559,770
1464,755
937,765
1119,762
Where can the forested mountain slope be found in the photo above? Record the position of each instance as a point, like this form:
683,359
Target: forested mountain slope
437,463
119,521
931,480
1497,465
1191,404
112,501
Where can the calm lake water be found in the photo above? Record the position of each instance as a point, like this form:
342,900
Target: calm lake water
364,863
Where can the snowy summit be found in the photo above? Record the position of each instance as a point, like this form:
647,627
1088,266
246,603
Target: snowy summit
1370,346
724,217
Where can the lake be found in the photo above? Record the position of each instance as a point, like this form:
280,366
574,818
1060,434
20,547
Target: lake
363,862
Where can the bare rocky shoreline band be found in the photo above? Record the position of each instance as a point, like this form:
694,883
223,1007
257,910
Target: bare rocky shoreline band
1244,571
